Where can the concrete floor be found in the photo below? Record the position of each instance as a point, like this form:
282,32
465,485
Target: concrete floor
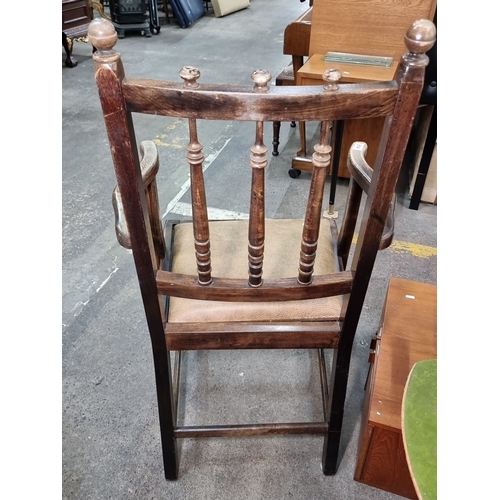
110,434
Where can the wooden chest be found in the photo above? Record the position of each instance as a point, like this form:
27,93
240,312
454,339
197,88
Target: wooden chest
407,334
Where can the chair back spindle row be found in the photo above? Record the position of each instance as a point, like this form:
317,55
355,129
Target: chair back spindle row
256,224
199,206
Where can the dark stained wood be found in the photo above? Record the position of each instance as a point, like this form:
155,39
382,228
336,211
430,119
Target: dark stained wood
272,290
256,226
324,381
309,244
199,205
244,335
210,101
385,175
251,430
397,100
149,169
176,382
109,76
361,175
76,17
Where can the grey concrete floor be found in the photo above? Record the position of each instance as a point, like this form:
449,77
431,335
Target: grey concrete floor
110,435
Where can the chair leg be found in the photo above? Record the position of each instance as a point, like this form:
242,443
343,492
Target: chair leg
276,137
331,443
425,162
68,48
303,147
165,397
337,146
165,411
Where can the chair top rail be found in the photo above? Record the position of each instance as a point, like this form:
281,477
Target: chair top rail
241,102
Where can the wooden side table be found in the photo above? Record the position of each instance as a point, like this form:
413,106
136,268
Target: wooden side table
407,334
368,130
419,426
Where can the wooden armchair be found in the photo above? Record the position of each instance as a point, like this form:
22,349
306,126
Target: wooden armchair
232,284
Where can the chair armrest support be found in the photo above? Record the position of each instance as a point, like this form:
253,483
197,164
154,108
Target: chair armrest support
362,174
149,169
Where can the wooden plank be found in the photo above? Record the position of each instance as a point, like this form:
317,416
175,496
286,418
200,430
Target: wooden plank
409,335
385,466
351,73
371,27
245,335
251,430
272,290
279,103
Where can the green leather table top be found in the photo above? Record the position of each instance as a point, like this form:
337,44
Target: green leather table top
419,426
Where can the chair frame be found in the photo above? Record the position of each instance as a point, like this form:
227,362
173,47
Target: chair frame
139,226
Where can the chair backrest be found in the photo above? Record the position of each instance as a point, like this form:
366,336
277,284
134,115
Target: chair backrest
136,191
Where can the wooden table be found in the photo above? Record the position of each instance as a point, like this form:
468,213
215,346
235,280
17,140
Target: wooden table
407,334
368,130
419,426
311,73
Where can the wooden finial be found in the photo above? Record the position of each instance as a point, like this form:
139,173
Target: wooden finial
419,38
331,76
102,34
261,78
190,75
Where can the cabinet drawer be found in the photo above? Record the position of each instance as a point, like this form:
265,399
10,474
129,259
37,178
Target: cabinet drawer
75,14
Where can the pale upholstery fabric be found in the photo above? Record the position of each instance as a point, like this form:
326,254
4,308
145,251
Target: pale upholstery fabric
229,240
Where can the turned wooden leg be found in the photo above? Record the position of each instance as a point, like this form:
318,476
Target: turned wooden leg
302,131
276,137
68,48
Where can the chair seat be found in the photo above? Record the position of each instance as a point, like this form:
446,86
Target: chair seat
229,241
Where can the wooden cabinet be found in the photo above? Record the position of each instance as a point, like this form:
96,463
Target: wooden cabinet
76,17
407,334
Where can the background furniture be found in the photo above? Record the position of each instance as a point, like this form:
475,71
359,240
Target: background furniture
419,427
407,334
204,284
76,17
369,130
133,15
375,29
296,44
425,160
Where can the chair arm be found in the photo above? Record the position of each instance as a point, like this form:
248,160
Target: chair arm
362,173
149,169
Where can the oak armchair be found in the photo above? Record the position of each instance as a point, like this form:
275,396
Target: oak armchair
227,284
